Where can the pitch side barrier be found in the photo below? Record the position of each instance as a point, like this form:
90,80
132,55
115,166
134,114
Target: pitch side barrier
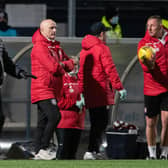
16,93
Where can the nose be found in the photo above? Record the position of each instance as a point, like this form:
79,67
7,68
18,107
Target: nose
54,29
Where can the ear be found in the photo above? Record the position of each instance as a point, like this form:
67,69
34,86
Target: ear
102,34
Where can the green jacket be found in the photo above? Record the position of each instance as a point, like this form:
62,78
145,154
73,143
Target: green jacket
113,33
165,23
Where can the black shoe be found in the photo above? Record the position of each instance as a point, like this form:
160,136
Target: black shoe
150,158
162,157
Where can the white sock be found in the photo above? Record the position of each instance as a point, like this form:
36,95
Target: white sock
164,150
152,151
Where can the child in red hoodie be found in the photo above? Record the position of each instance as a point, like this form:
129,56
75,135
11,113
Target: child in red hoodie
71,105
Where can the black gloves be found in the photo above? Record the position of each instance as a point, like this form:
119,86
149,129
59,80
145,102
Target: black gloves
25,75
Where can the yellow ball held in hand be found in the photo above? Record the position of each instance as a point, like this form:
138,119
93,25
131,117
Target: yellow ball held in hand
146,52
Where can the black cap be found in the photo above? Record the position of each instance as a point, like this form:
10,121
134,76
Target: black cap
110,12
97,28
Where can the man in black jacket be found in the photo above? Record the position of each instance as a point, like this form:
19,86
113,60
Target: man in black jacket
7,65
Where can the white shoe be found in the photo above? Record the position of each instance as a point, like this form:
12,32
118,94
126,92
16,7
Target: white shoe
52,152
89,156
44,155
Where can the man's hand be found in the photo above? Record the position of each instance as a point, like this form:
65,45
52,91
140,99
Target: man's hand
25,75
123,94
149,63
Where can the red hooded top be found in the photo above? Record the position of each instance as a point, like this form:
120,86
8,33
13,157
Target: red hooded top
71,116
156,80
45,58
97,74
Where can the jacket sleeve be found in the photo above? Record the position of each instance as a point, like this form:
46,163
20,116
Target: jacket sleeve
110,68
81,73
69,63
9,66
46,59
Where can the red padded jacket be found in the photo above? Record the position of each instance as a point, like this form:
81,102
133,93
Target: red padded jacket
156,80
98,76
71,117
45,58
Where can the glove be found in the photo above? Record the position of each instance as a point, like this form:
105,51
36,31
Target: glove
123,94
23,74
80,103
62,64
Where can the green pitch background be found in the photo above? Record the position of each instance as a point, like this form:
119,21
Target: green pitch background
84,164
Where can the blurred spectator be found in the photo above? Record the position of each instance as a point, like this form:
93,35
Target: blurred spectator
164,16
111,21
7,65
72,116
5,29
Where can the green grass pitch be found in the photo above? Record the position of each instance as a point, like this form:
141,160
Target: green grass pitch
84,164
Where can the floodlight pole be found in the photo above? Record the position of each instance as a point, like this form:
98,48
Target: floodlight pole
71,17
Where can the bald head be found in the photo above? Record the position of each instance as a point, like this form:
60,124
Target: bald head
48,29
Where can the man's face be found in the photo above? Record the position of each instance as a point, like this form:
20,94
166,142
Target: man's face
103,36
50,30
153,27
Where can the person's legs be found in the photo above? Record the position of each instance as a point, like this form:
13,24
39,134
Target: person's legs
99,121
48,118
151,134
50,108
71,143
41,124
164,122
2,117
68,140
60,138
152,111
164,135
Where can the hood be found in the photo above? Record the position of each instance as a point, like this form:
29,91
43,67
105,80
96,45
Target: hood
89,41
38,37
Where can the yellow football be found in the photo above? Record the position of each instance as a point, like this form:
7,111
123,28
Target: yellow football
146,52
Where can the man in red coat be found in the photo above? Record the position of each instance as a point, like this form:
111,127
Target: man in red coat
155,72
49,64
98,78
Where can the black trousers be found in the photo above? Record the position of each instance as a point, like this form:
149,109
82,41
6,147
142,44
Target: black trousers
48,119
68,142
2,117
98,120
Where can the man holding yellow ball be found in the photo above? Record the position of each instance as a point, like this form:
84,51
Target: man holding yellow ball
153,57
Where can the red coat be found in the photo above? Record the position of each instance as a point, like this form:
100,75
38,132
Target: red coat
45,58
71,117
97,74
156,80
